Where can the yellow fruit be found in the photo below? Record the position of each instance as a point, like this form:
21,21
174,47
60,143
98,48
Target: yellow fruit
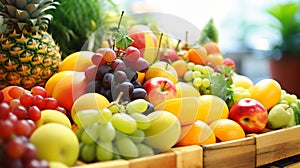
181,67
77,61
56,143
267,92
212,108
55,164
89,101
242,81
53,116
164,131
162,69
186,90
206,108
185,108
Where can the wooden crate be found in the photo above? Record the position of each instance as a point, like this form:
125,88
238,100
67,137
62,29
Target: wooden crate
236,153
276,145
254,151
166,160
109,164
189,156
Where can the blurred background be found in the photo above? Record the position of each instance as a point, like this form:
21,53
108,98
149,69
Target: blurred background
243,25
243,31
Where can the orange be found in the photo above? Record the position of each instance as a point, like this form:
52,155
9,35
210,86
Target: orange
141,77
5,91
197,55
198,133
77,61
227,129
54,79
69,89
267,92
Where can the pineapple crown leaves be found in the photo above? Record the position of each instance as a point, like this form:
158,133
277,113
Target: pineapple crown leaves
29,14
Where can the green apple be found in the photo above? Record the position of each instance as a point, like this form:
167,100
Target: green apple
162,69
164,131
56,142
279,116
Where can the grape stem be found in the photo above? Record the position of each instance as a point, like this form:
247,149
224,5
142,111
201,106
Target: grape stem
116,102
118,29
119,24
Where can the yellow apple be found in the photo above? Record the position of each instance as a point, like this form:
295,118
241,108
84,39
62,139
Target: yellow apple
54,164
164,131
53,116
56,142
186,90
162,69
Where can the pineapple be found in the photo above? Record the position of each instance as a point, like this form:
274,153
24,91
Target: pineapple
28,54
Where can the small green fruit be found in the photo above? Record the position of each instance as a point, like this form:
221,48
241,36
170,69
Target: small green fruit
279,116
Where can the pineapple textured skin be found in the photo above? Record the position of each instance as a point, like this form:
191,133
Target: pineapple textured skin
29,55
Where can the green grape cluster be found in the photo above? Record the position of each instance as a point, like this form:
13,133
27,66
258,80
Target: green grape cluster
199,76
115,132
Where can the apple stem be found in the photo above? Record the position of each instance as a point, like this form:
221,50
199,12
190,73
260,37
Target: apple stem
166,66
165,83
159,45
177,45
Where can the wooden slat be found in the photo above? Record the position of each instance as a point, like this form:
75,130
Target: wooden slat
109,164
276,145
189,156
236,153
165,160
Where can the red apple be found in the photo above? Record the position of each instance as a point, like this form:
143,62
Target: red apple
159,89
250,114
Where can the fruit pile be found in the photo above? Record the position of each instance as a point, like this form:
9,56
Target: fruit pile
22,111
129,99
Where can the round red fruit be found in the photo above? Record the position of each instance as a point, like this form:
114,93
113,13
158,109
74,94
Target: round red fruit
15,148
26,99
132,53
34,113
4,110
20,111
38,90
7,129
22,128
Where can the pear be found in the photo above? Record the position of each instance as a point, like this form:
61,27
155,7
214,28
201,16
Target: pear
279,116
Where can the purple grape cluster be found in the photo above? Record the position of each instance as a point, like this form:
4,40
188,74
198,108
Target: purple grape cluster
115,72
